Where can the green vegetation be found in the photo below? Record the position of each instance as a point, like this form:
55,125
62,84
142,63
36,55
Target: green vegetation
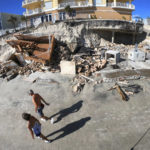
69,11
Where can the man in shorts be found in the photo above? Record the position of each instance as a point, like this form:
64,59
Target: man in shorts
37,101
34,127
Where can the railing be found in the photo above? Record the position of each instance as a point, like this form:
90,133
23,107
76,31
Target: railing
74,4
121,5
32,12
25,2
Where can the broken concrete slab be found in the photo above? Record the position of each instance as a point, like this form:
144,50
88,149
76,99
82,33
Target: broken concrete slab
68,67
113,57
6,53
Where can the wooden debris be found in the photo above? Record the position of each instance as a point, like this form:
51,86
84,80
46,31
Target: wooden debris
122,93
129,93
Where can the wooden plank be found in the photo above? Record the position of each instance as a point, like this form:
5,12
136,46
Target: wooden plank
19,48
122,93
52,47
19,42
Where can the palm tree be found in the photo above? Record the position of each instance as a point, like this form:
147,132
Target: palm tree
24,19
69,11
13,20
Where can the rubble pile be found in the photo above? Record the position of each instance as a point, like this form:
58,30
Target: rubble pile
87,65
61,52
10,68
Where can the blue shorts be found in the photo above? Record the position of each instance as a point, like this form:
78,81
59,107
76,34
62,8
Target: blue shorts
40,110
37,129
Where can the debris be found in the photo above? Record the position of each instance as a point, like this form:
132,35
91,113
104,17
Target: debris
12,76
135,88
123,82
129,93
20,58
68,67
77,88
122,93
113,57
9,64
37,52
87,78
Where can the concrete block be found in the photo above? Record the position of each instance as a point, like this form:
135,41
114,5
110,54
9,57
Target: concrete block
68,67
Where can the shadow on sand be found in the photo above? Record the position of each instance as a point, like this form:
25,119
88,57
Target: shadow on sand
70,128
140,139
63,113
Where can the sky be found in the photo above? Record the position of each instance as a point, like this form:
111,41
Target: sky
142,7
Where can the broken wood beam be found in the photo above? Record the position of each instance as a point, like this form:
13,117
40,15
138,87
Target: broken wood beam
19,42
51,47
19,48
122,93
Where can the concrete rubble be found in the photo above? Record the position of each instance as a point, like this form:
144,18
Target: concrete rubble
94,59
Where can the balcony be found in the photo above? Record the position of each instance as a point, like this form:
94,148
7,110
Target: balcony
26,2
33,12
74,4
121,5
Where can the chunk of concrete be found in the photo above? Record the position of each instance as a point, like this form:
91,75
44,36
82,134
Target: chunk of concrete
9,64
68,67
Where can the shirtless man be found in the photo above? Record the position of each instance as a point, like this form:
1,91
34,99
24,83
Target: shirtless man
36,99
34,127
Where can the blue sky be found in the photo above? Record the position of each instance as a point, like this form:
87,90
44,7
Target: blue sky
14,6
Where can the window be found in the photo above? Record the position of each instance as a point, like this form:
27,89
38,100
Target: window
50,17
97,2
48,5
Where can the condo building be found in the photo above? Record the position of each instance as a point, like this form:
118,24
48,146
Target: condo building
38,11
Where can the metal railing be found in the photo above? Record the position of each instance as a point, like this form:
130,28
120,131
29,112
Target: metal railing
74,4
121,5
25,2
32,12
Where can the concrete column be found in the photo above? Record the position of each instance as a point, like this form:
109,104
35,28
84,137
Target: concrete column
113,37
90,2
115,2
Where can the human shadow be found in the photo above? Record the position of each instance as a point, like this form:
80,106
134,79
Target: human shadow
63,113
140,139
70,128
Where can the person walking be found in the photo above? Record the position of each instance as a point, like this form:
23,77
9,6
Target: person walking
37,101
34,127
